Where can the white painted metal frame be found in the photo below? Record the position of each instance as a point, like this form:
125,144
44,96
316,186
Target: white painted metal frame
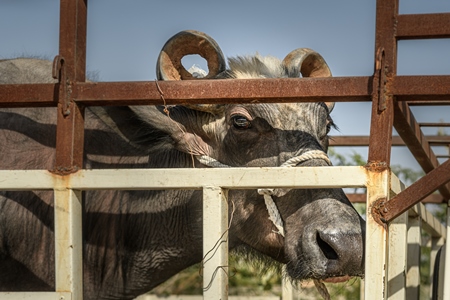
380,247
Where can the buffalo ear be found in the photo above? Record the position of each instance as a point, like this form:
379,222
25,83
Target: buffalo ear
156,128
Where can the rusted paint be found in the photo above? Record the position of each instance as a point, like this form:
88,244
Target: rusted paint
423,26
376,166
70,116
378,211
62,171
382,120
417,191
65,85
362,198
361,140
429,124
422,88
414,89
57,66
282,90
28,95
386,55
379,80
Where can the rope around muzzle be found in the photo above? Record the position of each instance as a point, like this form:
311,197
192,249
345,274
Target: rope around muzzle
274,214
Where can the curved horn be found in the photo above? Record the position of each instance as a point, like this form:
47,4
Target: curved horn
169,66
309,63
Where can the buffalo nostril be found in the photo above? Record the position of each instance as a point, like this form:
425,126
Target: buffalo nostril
326,249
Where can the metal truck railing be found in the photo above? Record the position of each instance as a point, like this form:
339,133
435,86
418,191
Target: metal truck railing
386,255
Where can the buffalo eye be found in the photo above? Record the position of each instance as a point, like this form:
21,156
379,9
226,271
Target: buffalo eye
241,122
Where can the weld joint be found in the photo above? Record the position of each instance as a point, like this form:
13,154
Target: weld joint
379,211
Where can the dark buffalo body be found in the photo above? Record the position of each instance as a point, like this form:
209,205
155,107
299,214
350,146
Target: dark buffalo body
135,240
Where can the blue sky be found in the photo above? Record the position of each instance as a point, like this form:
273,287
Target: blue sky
125,37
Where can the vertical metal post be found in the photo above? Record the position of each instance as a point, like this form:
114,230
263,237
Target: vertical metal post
397,258
413,270
376,239
376,285
68,243
215,243
446,280
70,117
436,243
380,139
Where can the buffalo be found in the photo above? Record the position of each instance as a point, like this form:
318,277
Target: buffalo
135,240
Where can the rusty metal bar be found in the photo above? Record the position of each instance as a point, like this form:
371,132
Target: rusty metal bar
429,102
338,89
361,198
408,128
72,62
416,192
434,124
359,141
423,26
363,140
227,91
433,90
411,88
28,95
382,98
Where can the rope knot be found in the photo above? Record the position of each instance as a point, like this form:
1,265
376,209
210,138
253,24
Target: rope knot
274,214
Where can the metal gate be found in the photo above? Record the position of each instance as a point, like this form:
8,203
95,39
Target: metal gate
387,201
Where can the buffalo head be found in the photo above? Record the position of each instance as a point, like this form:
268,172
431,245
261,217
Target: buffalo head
324,235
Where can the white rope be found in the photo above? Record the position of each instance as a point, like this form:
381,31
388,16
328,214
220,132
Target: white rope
274,214
312,154
211,162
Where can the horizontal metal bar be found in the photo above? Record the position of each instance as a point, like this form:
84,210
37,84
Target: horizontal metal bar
28,95
435,102
35,295
434,124
359,140
423,26
429,223
193,91
363,140
150,179
362,197
422,88
226,91
333,89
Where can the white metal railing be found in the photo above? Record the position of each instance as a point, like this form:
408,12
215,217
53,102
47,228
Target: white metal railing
386,259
